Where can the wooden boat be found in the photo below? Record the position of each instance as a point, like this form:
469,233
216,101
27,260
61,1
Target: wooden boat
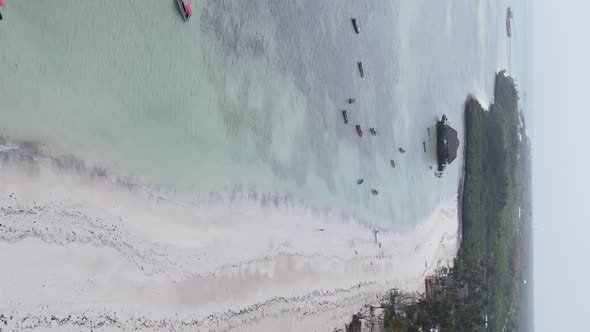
356,25
359,130
185,9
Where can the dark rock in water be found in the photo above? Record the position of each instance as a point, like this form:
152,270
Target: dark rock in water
30,148
99,172
69,162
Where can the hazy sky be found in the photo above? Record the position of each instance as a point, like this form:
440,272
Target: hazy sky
561,74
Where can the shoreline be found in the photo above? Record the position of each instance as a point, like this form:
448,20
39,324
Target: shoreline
33,154
461,186
460,207
81,245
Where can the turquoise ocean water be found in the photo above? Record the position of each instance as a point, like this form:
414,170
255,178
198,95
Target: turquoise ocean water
247,96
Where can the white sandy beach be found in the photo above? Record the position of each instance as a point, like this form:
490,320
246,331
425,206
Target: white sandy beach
82,252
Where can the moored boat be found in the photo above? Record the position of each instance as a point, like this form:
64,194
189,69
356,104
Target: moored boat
361,70
185,9
356,25
509,16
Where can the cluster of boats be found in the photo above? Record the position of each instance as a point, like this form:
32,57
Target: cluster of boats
447,141
359,129
357,28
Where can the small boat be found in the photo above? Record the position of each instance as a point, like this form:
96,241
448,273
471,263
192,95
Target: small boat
373,131
509,22
185,9
345,116
361,70
392,163
359,181
402,150
359,130
356,25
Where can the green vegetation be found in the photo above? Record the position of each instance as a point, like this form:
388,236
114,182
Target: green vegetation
494,256
493,194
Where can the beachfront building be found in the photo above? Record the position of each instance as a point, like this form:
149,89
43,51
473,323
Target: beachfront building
447,143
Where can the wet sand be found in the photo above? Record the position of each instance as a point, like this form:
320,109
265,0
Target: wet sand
83,251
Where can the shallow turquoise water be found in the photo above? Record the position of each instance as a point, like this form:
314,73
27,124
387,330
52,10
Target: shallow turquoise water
247,95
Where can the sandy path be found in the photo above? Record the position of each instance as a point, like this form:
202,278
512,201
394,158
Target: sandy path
84,253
